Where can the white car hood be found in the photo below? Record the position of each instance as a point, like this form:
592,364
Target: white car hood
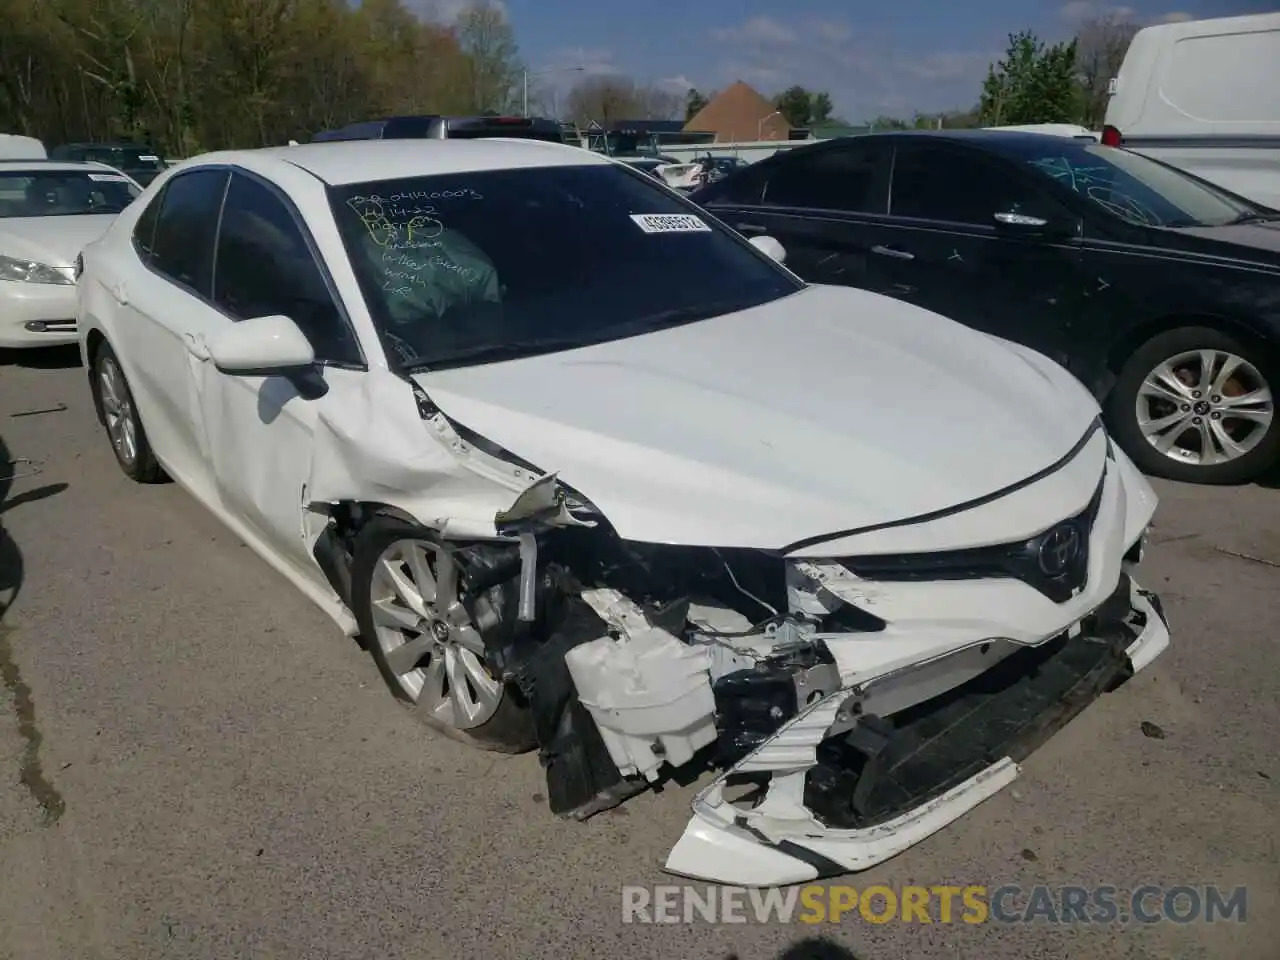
55,241
829,410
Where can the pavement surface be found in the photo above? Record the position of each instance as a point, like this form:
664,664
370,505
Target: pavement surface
194,762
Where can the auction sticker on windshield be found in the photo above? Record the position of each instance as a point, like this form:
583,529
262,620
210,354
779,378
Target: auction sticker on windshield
108,178
670,223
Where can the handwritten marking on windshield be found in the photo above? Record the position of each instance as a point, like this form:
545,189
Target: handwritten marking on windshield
418,229
1098,183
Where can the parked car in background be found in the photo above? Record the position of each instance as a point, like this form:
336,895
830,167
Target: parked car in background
649,165
139,162
1160,291
591,472
431,127
48,212
14,146
1204,96
698,172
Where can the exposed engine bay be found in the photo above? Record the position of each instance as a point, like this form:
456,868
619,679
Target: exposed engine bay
636,659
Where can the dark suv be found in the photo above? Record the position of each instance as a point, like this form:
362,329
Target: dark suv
446,128
135,160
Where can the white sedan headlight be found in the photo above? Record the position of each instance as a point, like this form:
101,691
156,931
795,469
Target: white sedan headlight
29,271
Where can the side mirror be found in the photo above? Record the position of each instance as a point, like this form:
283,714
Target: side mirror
771,248
261,345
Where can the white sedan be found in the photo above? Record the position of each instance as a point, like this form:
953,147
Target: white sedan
589,472
48,212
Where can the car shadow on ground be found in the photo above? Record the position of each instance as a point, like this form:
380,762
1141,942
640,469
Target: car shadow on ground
11,565
1270,479
42,358
812,948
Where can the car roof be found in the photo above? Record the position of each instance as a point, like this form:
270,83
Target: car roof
977,136
52,166
105,144
342,162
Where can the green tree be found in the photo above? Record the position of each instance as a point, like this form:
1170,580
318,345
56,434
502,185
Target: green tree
1032,84
693,104
888,123
796,104
820,107
194,75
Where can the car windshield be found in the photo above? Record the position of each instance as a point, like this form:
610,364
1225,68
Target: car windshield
1130,185
481,267
63,193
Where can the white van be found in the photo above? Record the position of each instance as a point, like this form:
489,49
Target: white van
1204,95
14,146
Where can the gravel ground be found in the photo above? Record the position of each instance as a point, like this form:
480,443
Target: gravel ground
195,763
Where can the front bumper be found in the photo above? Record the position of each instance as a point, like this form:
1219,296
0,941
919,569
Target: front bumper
27,305
920,769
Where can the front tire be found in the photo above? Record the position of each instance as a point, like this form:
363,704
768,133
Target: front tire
119,413
1197,404
407,598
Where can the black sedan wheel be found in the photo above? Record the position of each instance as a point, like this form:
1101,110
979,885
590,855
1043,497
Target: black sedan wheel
1197,404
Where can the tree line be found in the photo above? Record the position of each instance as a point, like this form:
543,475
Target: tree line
1064,82
1035,82
193,75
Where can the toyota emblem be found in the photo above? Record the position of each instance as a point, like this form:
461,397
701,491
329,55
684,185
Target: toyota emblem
1058,550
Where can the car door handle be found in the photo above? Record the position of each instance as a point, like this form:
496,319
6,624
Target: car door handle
893,252
196,346
748,228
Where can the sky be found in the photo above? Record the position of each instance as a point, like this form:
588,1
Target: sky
874,57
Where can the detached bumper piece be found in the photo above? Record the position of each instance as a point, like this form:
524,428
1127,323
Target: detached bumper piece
885,767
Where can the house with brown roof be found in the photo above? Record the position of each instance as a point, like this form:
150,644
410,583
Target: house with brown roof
740,113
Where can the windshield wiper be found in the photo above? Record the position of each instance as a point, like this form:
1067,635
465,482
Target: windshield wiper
493,353
1252,216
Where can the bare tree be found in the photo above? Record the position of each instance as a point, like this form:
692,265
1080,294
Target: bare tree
1101,46
489,44
657,103
612,97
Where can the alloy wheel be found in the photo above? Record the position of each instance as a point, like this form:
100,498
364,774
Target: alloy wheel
1204,407
427,636
117,409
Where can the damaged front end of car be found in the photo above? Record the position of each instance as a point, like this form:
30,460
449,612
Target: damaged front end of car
853,705
853,692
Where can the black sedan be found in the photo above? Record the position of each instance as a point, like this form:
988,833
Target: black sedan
1160,291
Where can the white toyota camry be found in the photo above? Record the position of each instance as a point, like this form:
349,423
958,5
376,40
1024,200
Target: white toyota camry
48,212
589,472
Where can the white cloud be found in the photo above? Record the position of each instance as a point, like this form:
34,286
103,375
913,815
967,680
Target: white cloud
1076,11
864,72
677,84
448,11
755,31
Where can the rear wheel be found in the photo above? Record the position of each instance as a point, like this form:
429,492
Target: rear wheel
120,417
1197,404
408,599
